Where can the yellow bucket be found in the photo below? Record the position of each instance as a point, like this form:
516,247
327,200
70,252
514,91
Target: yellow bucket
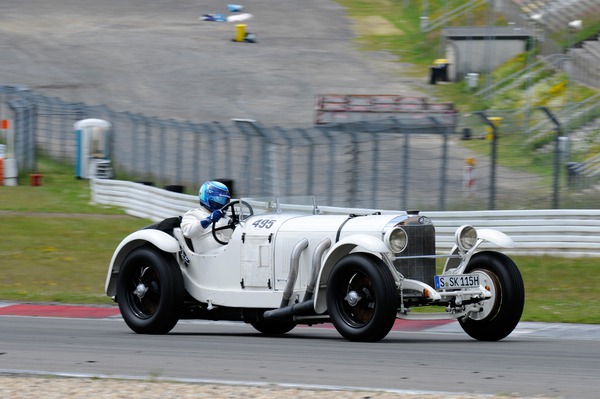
240,32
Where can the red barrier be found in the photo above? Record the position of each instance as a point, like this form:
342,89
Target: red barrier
35,179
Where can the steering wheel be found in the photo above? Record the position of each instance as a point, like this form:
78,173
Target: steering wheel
234,220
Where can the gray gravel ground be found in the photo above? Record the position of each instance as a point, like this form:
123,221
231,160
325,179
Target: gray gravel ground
75,388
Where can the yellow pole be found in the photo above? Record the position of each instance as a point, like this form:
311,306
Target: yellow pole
240,32
489,131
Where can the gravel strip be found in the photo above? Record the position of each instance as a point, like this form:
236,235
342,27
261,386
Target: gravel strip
50,387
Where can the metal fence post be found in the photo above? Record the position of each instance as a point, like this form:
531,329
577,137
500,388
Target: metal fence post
405,168
446,131
330,161
196,131
494,150
557,156
148,149
311,161
267,151
354,153
24,131
212,144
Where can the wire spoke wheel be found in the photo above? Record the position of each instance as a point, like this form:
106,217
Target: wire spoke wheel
144,296
361,298
150,291
358,305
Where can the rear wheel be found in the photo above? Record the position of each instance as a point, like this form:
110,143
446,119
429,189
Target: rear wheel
362,298
501,313
150,291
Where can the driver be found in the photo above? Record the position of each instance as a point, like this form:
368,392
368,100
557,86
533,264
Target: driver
196,224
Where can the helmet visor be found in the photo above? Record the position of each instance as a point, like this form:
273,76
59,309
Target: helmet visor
216,201
220,199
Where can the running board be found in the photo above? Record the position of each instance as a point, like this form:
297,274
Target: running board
317,319
431,316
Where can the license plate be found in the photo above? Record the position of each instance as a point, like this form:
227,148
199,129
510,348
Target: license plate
456,281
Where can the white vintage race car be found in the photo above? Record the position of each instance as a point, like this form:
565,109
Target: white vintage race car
296,264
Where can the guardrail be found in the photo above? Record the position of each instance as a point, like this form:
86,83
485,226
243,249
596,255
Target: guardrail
141,200
566,233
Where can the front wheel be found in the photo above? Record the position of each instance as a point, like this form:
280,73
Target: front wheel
500,314
361,298
150,291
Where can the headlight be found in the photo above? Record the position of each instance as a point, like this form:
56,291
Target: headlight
466,237
396,239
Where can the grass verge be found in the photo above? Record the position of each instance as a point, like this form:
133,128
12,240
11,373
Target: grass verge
55,244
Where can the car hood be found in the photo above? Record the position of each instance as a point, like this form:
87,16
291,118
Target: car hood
349,224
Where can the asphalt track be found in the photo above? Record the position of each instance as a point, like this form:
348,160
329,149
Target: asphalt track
528,329
550,359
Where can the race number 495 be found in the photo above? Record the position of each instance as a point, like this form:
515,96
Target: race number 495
263,223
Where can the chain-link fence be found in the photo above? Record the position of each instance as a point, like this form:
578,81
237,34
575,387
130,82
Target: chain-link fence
495,160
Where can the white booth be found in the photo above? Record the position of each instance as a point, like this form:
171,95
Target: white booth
93,149
8,168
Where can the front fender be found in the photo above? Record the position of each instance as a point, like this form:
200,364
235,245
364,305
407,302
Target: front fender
159,239
342,248
496,237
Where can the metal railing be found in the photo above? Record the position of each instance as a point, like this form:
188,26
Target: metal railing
521,76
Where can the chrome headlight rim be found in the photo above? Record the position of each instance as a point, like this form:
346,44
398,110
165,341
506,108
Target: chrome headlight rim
466,237
396,239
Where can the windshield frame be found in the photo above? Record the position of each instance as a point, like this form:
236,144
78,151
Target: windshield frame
305,204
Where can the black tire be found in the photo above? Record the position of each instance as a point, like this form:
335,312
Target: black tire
370,281
273,327
155,310
502,312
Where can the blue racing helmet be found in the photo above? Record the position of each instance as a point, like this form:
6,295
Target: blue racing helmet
213,195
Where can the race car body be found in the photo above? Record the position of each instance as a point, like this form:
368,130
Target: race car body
287,264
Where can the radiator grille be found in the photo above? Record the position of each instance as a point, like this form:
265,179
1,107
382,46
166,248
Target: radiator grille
421,241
